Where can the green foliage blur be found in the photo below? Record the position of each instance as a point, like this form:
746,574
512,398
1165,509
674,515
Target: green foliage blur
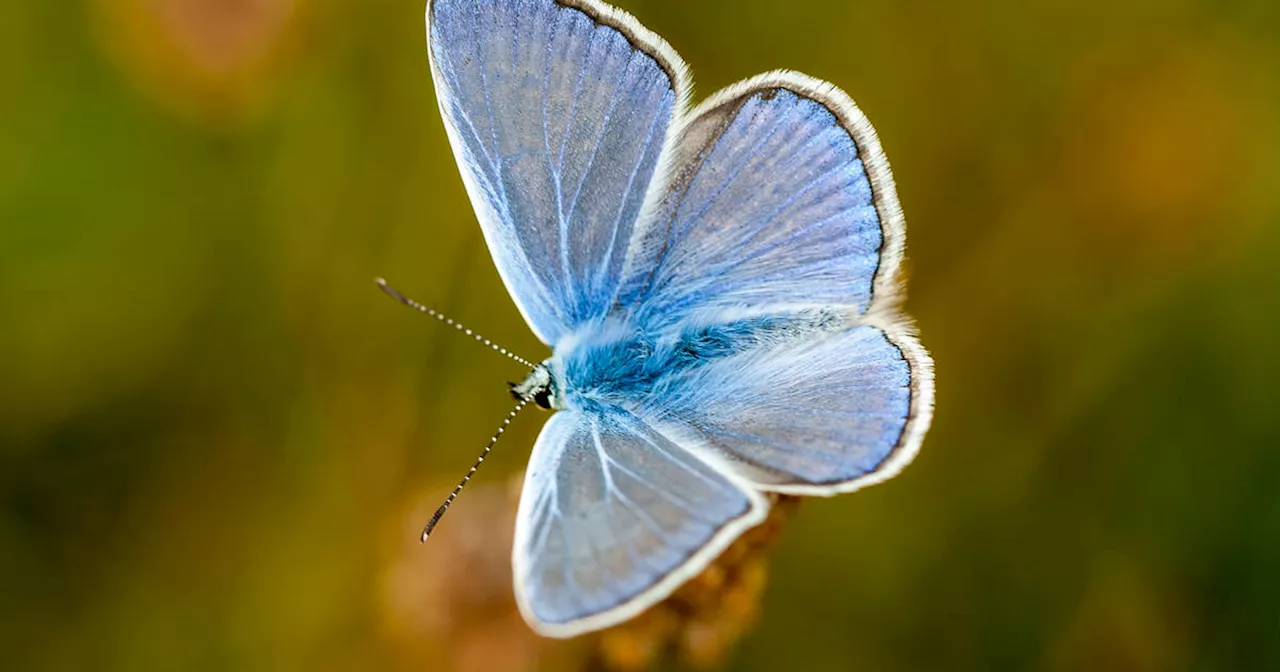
213,426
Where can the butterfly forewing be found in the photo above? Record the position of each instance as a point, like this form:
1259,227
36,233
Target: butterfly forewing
780,197
557,118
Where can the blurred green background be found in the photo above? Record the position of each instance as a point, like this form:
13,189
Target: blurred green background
218,439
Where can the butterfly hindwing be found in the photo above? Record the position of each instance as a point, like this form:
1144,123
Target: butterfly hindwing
780,196
558,113
818,416
613,516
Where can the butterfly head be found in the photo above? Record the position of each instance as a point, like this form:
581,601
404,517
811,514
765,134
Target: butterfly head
540,387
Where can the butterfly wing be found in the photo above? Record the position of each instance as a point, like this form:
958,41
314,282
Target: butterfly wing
815,416
613,517
781,198
558,113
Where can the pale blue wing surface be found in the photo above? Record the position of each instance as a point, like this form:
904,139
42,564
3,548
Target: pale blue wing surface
613,517
814,416
782,197
557,112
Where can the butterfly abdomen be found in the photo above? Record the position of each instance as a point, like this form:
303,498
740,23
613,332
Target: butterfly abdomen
626,367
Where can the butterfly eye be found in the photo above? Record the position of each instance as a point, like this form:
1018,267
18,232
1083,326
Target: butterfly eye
543,398
540,395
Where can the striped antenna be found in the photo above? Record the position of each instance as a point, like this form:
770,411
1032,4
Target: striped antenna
449,321
435,517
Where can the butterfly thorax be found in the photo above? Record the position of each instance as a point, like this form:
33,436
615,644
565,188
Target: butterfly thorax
623,362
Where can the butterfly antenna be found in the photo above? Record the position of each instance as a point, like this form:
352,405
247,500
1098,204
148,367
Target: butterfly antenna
435,517
449,321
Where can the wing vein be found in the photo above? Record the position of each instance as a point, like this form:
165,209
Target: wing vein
622,207
481,61
595,151
732,177
636,510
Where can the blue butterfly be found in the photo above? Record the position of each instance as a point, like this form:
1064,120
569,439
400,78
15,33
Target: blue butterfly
719,285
